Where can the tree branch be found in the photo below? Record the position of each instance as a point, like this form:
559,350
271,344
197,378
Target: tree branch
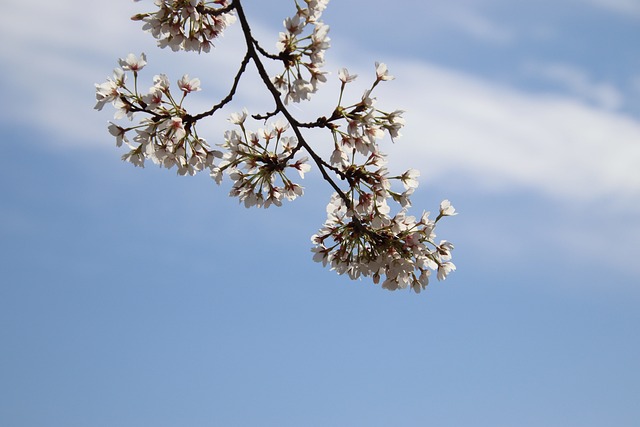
251,51
229,97
278,57
205,10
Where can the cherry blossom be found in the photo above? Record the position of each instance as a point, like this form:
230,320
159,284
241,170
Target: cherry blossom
133,63
302,53
187,25
109,91
409,179
189,85
345,77
446,209
369,231
382,73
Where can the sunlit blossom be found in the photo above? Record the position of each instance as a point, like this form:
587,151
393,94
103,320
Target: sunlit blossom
187,84
369,230
133,63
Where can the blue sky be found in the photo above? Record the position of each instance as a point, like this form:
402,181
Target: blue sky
134,297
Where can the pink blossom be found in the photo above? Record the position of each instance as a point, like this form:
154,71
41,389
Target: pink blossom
133,63
188,85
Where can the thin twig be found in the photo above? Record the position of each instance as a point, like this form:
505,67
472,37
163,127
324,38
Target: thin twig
231,94
265,116
267,54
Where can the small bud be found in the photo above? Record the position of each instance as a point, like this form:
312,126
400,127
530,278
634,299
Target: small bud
139,16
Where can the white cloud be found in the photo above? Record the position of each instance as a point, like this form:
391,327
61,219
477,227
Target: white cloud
461,130
505,137
476,25
496,136
54,62
622,7
578,82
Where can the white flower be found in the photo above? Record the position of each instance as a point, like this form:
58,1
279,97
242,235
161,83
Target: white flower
189,85
119,132
444,249
372,133
320,254
395,122
293,191
293,25
299,90
367,100
382,73
301,166
345,77
409,179
446,209
239,118
286,42
161,81
280,126
422,282
108,91
444,269
134,157
320,39
216,174
317,76
288,145
153,99
122,109
339,158
132,63
174,128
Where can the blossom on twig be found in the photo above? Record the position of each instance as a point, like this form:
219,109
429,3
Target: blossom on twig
363,235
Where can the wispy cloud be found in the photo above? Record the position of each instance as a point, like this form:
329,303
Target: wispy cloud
476,25
555,144
629,8
53,64
499,136
461,129
578,82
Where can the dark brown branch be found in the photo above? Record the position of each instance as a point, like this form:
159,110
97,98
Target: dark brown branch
265,116
231,94
278,57
205,10
132,108
201,8
251,51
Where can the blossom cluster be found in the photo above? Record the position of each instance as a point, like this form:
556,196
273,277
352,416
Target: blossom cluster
401,248
357,130
365,123
189,25
165,135
360,237
302,55
257,163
